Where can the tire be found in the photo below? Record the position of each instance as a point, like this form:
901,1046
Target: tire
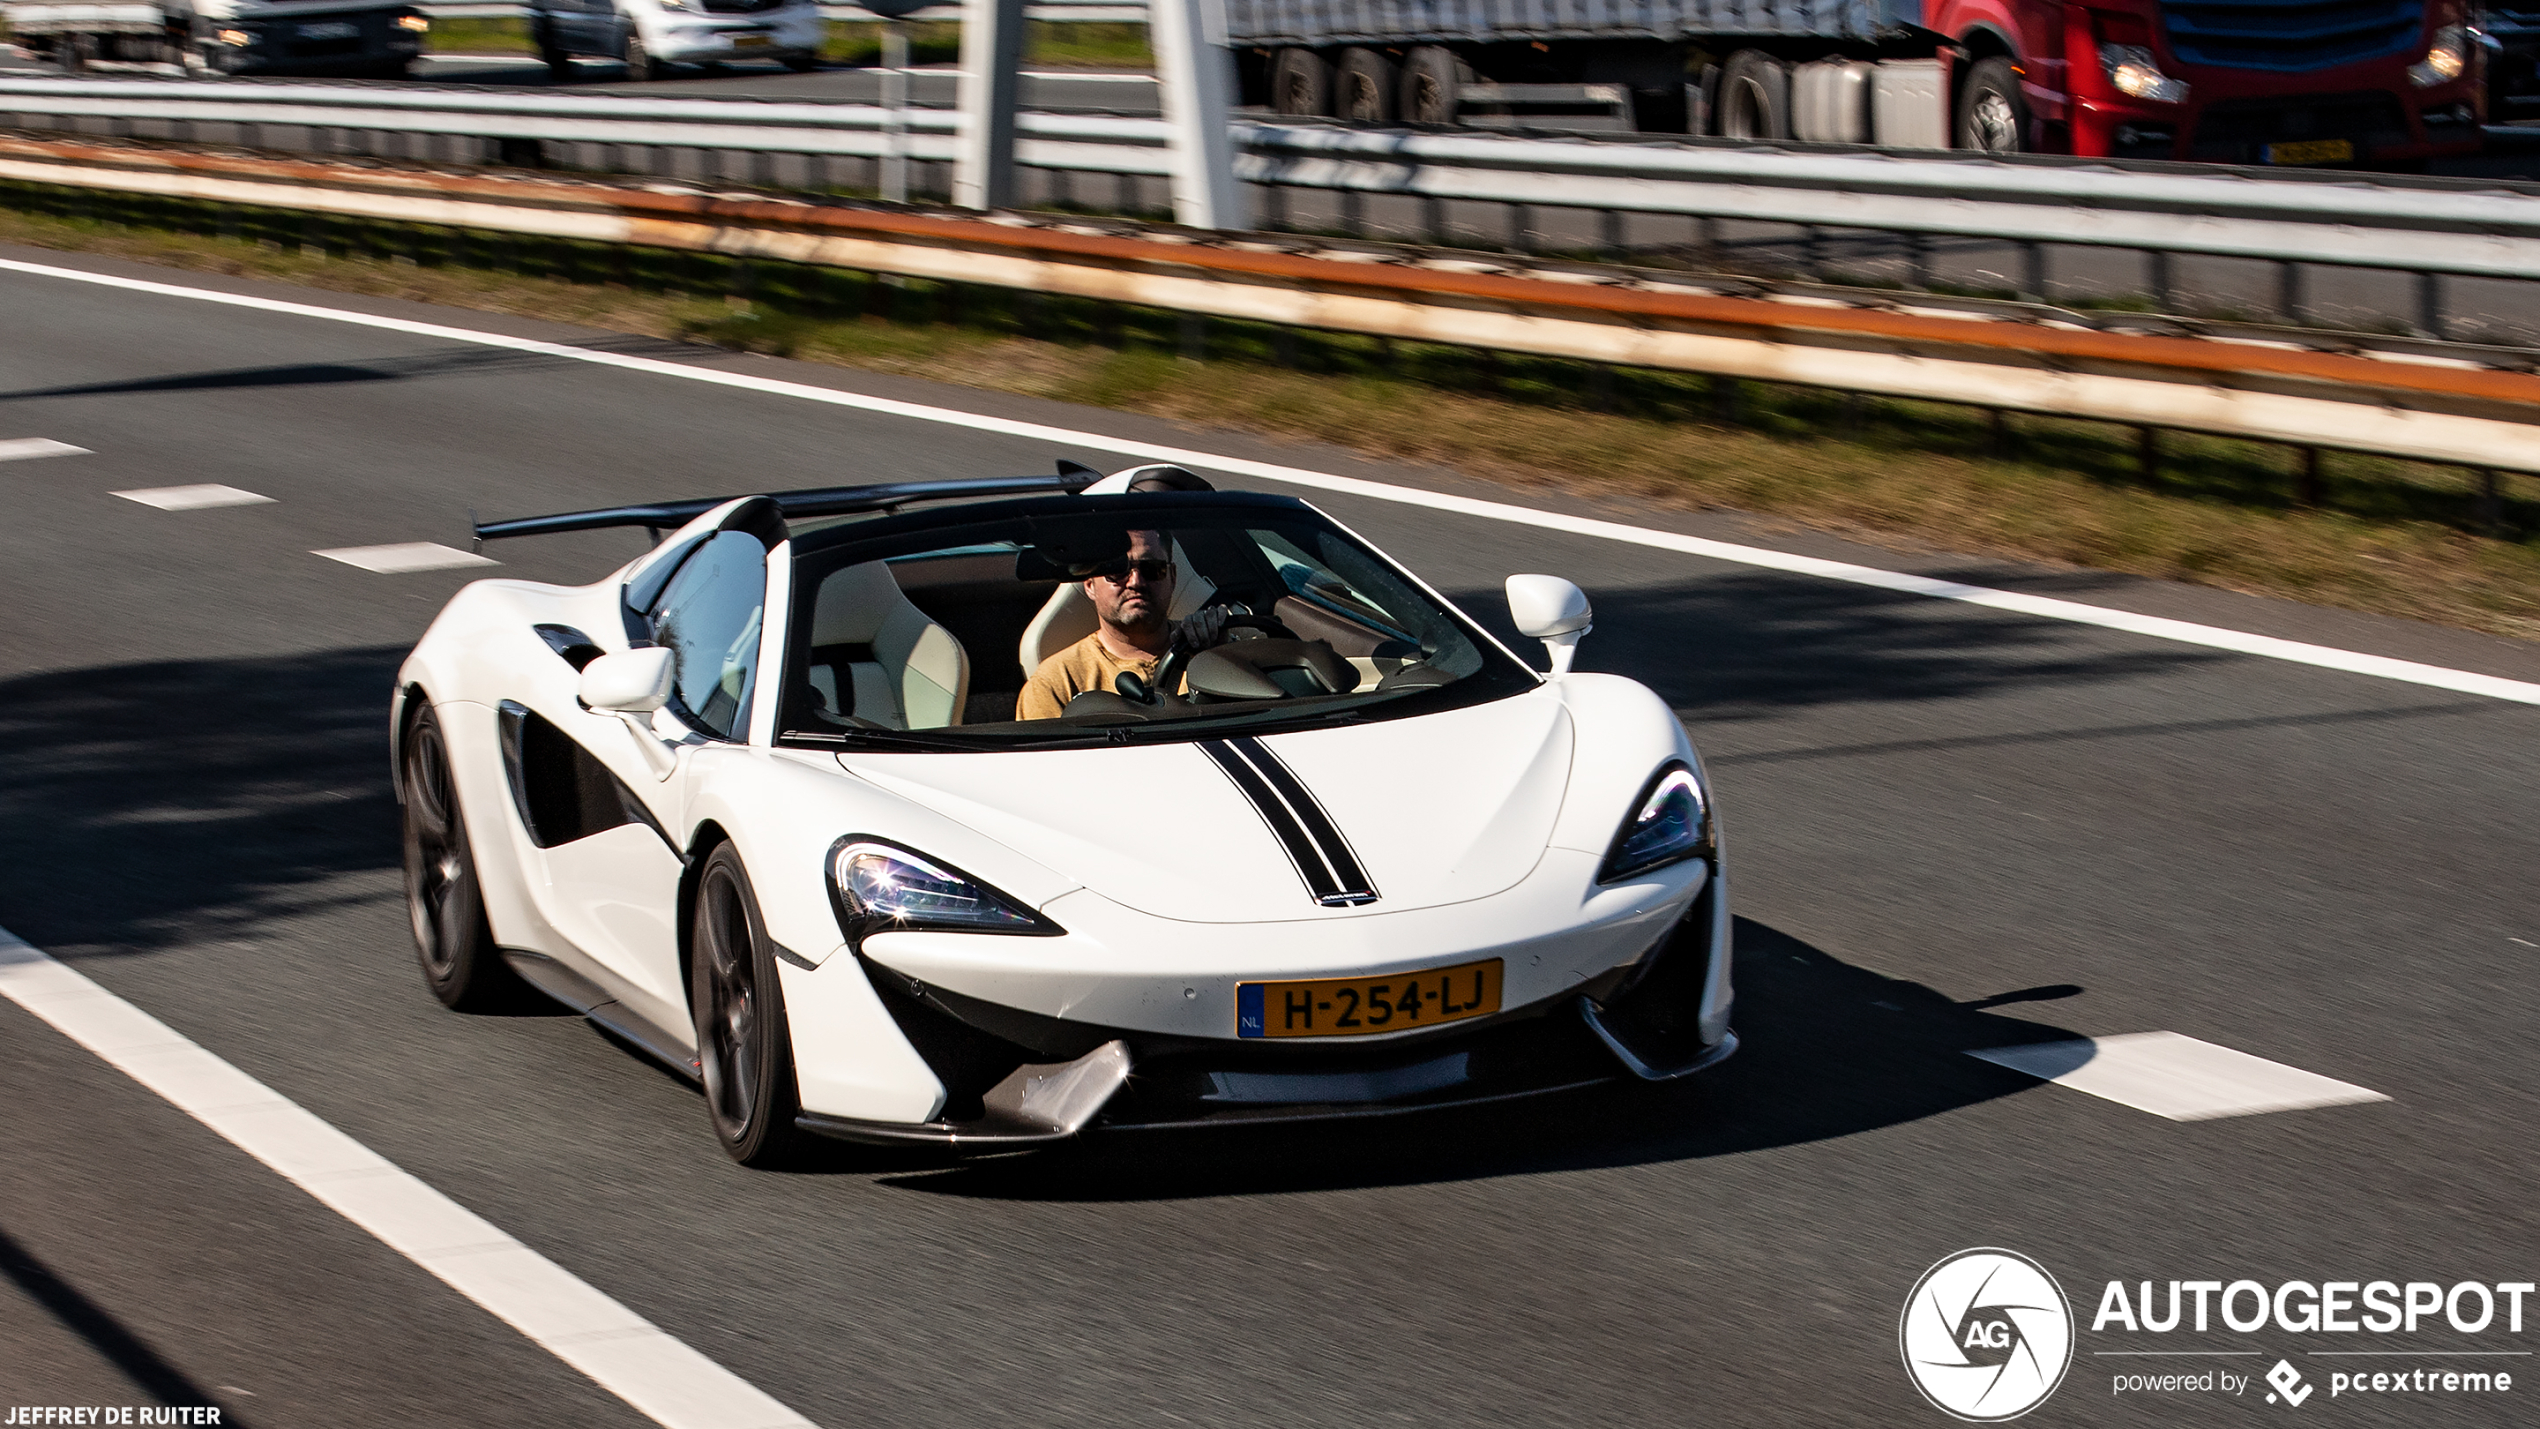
1992,117
444,902
802,64
1301,85
640,63
1754,100
74,53
559,63
1365,88
743,1048
1431,88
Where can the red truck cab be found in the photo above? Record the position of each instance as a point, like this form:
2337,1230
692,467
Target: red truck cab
2389,83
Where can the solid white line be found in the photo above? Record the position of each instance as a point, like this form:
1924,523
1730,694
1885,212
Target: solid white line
29,448
193,498
2185,632
2173,1075
405,557
627,1355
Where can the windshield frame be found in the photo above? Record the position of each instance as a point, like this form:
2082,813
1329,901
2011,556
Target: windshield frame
819,552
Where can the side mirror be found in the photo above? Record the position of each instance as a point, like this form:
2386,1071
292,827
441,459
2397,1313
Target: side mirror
1553,611
630,682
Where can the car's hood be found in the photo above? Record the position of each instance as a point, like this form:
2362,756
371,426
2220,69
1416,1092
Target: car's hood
1435,809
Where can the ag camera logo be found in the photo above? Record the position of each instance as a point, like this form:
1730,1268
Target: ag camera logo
1986,1335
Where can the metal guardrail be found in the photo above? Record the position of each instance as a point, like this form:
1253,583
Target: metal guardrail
2428,227
1052,11
2420,400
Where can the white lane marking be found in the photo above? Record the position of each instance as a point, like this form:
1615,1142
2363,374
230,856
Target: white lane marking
29,448
193,498
405,557
2176,1076
624,1353
2185,632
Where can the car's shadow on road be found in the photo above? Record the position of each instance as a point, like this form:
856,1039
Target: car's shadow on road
1829,1050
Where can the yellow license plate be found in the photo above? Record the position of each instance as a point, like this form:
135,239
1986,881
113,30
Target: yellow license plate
1362,1006
750,42
2311,151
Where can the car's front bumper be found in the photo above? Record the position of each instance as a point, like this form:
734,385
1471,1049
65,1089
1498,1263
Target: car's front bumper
1014,1077
713,38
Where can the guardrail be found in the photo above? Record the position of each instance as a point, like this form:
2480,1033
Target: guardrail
2417,400
1050,11
2429,228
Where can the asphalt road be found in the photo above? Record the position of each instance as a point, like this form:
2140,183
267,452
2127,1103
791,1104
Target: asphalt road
1951,828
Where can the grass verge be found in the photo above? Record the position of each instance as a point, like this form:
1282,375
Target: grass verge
2393,537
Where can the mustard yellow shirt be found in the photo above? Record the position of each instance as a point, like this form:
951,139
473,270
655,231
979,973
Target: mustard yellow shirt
1086,665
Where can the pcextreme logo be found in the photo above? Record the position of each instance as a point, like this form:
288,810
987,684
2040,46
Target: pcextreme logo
1986,1335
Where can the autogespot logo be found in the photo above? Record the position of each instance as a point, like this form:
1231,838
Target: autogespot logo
1986,1335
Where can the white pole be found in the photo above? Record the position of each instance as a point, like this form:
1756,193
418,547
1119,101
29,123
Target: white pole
895,102
1198,74
991,72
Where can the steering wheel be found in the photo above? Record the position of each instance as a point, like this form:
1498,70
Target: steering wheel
1170,670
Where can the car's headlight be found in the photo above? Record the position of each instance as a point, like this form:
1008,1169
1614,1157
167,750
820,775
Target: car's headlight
416,23
2134,71
878,888
1671,823
238,38
2444,59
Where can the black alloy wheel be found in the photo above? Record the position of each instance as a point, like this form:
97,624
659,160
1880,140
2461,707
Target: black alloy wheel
443,899
744,1051
1754,100
1992,116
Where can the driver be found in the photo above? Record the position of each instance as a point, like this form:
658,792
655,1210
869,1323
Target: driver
1131,633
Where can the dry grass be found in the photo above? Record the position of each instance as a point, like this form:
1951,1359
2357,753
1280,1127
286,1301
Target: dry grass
1908,475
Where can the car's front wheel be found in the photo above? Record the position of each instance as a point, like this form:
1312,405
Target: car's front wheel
443,899
743,1050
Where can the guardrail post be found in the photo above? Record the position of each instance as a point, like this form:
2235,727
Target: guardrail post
2288,293
1198,75
894,183
2491,501
2430,305
2310,488
2032,271
2156,263
991,73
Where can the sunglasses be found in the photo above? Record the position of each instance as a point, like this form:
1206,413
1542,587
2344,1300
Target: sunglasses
1151,570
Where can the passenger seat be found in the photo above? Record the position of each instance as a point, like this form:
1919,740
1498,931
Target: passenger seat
885,660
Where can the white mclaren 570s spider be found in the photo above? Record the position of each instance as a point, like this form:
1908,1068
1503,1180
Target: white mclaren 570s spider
991,812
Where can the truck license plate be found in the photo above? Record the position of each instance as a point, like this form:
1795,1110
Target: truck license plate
750,42
1361,1006
2312,151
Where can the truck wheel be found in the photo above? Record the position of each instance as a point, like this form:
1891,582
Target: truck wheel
1366,87
1991,115
74,52
640,63
1754,97
1301,85
1432,83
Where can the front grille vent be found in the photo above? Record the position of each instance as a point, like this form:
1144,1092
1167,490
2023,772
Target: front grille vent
2290,36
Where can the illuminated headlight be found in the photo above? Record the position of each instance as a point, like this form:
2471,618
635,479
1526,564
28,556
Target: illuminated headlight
2134,72
1671,823
677,5
878,888
2444,59
240,38
416,23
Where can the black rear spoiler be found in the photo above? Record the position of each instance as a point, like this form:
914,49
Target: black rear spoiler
661,516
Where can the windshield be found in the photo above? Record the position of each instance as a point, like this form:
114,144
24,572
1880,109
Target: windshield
1145,618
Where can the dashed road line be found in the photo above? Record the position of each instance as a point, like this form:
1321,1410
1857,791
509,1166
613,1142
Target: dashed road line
193,498
2046,607
625,1354
29,448
2173,1075
405,557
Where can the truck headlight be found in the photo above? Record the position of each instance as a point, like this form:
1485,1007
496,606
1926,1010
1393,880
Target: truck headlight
239,38
2444,59
878,888
416,23
2133,71
1671,823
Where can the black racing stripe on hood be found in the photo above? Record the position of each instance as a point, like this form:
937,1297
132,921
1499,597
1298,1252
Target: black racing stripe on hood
1290,833
1352,879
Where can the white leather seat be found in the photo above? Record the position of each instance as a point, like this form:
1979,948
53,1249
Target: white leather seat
915,675
1068,615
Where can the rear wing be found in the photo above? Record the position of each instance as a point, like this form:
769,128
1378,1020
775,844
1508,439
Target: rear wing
660,516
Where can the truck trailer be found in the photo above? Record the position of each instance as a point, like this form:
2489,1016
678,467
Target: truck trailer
2379,83
361,38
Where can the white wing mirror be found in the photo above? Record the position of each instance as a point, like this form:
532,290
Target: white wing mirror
630,682
1553,611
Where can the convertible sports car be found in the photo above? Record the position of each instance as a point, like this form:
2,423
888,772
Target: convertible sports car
759,804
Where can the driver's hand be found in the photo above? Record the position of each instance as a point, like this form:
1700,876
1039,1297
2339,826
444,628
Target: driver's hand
1202,629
